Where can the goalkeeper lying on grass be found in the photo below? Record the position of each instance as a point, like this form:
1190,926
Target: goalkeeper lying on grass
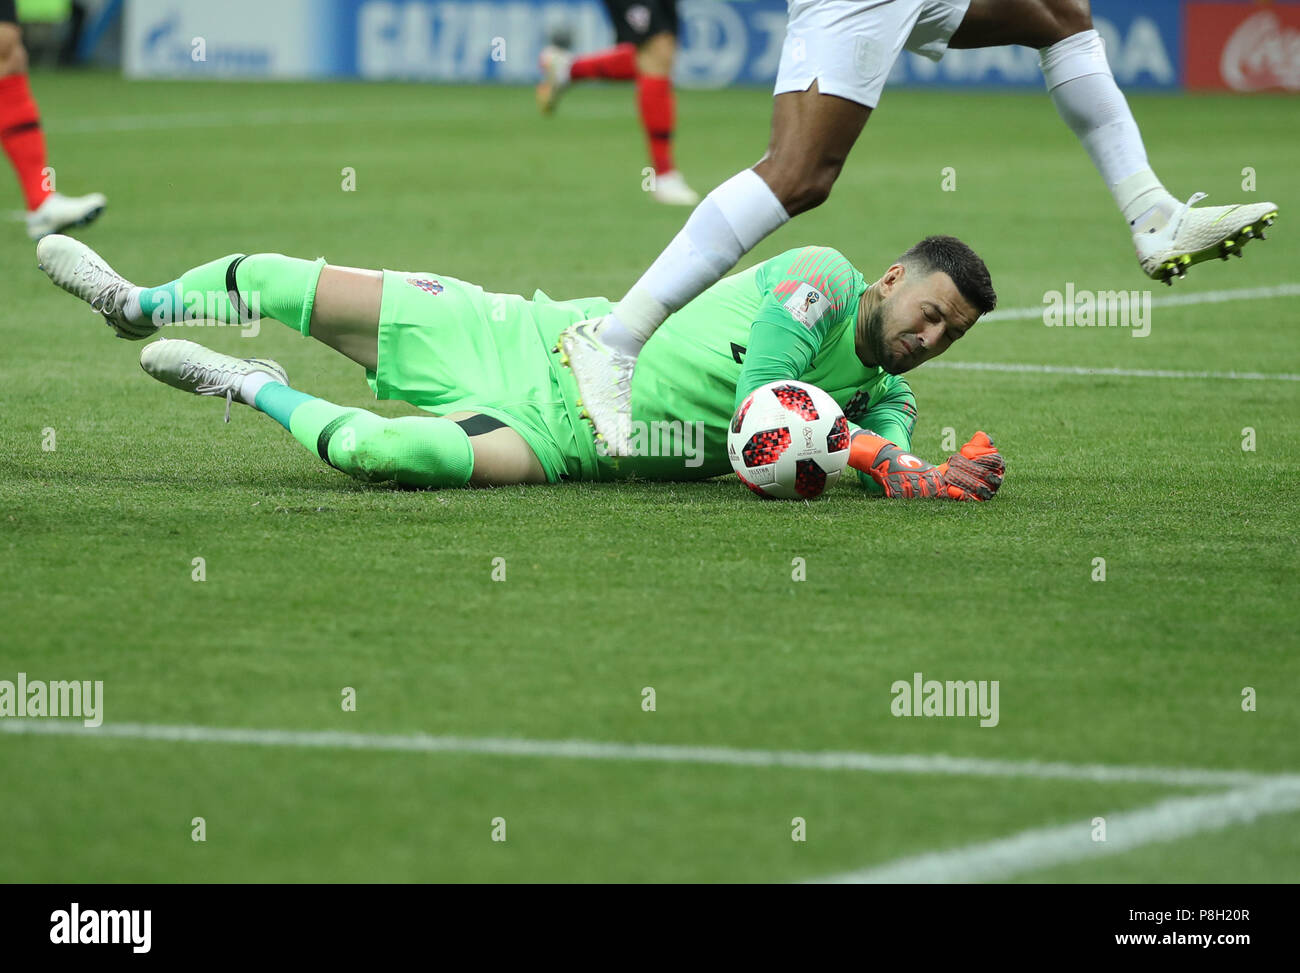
507,408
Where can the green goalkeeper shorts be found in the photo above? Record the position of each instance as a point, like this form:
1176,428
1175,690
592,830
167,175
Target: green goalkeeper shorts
449,346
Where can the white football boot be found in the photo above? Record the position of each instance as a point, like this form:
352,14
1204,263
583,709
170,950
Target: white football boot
83,273
1194,235
60,212
554,62
670,188
188,366
604,377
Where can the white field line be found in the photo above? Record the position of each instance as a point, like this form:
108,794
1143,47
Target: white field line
653,753
1171,300
1166,300
1038,848
1254,794
976,366
1014,367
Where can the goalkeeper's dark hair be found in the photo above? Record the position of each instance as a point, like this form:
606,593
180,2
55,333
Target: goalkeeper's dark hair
959,262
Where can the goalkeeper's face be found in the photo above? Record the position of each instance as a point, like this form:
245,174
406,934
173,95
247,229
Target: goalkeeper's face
915,319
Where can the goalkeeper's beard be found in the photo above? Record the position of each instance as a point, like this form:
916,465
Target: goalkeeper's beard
875,335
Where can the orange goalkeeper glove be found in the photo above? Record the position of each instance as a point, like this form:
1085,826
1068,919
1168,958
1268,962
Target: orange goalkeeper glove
975,473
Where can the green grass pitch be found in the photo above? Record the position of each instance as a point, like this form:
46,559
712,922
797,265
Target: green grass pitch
315,583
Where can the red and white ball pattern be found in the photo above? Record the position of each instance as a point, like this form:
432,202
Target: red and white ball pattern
788,440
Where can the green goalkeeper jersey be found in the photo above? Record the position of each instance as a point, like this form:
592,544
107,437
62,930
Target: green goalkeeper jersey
791,317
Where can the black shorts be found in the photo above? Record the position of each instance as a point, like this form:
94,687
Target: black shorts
8,13
636,21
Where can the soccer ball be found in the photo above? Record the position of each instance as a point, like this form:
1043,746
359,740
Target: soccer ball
788,440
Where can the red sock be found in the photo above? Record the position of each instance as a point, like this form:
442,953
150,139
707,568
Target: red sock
655,99
616,64
24,142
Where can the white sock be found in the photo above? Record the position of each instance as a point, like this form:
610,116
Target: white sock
728,223
251,385
131,310
1088,100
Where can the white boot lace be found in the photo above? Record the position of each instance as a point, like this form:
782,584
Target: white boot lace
211,381
105,286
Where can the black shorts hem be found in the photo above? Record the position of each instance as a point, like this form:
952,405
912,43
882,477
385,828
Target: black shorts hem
636,21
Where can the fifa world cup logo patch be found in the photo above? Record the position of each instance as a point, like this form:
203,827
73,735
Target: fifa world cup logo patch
428,286
806,305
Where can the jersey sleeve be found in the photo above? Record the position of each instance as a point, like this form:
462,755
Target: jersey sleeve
892,417
806,293
772,356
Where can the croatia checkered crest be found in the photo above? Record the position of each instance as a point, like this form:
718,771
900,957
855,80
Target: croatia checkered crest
788,440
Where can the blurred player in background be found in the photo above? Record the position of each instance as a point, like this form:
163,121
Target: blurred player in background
24,142
836,57
646,33
507,411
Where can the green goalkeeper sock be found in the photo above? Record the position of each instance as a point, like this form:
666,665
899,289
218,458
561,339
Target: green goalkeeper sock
413,451
235,290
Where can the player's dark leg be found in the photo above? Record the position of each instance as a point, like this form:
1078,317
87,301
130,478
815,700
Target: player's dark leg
1169,236
812,135
1032,23
810,140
